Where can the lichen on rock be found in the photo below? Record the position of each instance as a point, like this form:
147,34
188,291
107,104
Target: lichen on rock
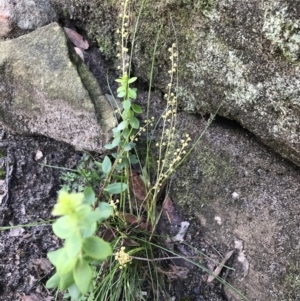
244,52
282,29
19,17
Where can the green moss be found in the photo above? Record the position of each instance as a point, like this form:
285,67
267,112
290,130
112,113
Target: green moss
2,174
212,165
105,46
2,169
200,185
2,153
200,4
65,12
292,283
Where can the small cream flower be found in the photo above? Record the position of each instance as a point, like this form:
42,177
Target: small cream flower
122,257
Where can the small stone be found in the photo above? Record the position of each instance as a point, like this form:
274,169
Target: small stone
16,232
38,155
235,195
218,220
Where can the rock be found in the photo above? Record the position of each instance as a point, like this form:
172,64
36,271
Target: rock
46,89
17,17
262,224
247,54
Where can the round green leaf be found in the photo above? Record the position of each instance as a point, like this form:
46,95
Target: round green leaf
121,88
97,248
109,146
65,263
73,245
126,104
98,164
136,108
132,80
54,255
129,146
121,94
88,229
65,226
116,141
122,125
66,281
53,282
127,114
83,276
74,292
115,188
82,212
126,133
89,194
106,165
105,211
94,216
134,122
115,131
132,93
133,159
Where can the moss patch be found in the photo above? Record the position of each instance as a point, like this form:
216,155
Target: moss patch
292,282
2,174
201,178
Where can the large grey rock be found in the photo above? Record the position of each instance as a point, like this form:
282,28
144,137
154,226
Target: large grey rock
46,89
241,190
24,15
244,51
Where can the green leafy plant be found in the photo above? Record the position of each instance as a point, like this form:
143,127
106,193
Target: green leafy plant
77,225
111,250
125,130
107,236
87,173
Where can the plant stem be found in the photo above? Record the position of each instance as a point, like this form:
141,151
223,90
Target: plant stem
165,258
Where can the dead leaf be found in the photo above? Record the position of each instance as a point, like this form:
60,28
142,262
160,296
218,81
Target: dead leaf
76,38
137,186
79,52
127,242
218,269
145,226
109,235
42,265
170,212
34,297
26,298
130,218
138,222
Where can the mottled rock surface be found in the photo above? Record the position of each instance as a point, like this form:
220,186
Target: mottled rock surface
242,192
46,89
18,17
246,52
